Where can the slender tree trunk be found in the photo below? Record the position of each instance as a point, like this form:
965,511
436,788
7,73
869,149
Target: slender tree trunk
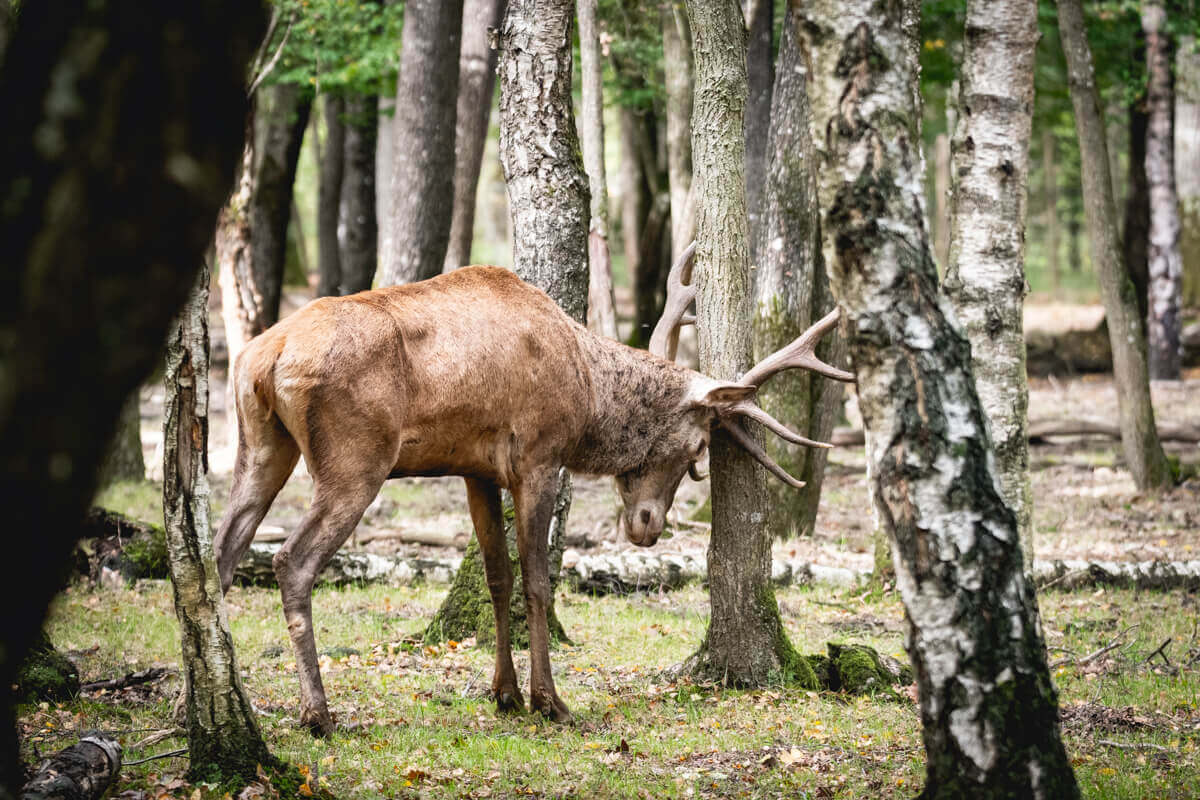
221,725
988,707
124,461
985,277
360,232
1074,233
422,179
1050,184
941,203
760,77
634,198
1139,438
1187,160
94,275
476,82
1164,265
1135,236
385,164
677,72
745,643
791,292
601,306
329,197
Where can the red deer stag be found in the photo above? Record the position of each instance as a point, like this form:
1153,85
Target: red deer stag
478,374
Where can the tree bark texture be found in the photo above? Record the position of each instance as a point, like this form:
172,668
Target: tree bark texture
1139,441
329,196
1187,160
985,276
83,771
988,706
476,82
745,644
124,461
221,725
1164,263
601,306
791,292
1135,233
760,78
677,74
359,221
422,178
119,149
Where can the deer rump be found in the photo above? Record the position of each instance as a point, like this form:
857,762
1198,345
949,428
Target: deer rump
474,373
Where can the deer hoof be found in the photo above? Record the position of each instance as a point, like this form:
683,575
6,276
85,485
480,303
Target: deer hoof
555,711
509,701
319,723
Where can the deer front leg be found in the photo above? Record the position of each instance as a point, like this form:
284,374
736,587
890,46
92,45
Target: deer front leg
483,498
534,501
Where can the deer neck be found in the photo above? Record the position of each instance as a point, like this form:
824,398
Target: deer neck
636,399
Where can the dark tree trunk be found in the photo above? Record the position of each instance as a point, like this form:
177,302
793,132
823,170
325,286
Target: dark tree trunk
988,707
476,82
635,196
649,273
1136,231
359,241
222,730
148,148
1165,266
329,197
745,644
1139,440
760,78
792,292
422,179
124,461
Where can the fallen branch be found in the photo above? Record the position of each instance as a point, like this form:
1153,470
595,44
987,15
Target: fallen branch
1154,748
82,771
158,736
1039,430
125,681
1090,657
1160,652
180,753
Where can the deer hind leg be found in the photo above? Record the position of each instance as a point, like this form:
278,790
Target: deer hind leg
260,471
338,504
534,502
483,498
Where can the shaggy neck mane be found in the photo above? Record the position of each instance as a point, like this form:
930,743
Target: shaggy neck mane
636,399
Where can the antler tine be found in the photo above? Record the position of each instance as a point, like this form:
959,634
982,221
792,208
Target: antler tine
751,411
680,294
755,449
799,353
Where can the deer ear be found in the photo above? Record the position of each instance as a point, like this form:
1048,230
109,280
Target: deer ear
727,394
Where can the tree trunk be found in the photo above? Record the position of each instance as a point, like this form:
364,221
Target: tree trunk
1143,452
83,771
1050,184
222,730
422,179
745,644
359,240
634,198
329,197
941,202
601,306
988,707
1187,160
385,164
985,277
548,195
760,78
1164,263
677,72
1074,233
110,203
476,82
1135,236
791,292
124,461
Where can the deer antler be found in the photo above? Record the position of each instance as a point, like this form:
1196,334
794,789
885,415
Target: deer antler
681,291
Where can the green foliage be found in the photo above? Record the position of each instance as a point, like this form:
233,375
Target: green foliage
46,675
631,33
343,46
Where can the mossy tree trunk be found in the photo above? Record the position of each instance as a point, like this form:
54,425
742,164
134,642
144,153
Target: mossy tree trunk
745,643
117,156
791,292
988,707
223,733
985,276
1139,438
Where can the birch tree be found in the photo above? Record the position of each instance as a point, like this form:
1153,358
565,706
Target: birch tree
985,275
1139,437
988,707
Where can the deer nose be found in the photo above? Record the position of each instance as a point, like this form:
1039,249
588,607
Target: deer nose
645,516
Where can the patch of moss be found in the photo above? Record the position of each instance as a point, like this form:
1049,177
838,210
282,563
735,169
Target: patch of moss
47,675
860,669
145,556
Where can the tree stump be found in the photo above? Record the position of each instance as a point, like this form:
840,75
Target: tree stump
82,771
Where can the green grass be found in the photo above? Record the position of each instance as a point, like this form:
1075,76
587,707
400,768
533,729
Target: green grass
416,721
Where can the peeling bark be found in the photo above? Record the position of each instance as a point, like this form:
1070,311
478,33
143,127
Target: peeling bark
222,729
1143,452
985,276
988,706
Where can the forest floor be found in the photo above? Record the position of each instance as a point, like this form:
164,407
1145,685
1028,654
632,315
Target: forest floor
414,721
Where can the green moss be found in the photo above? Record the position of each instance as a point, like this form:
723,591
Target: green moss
704,512
146,556
47,675
859,669
795,669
